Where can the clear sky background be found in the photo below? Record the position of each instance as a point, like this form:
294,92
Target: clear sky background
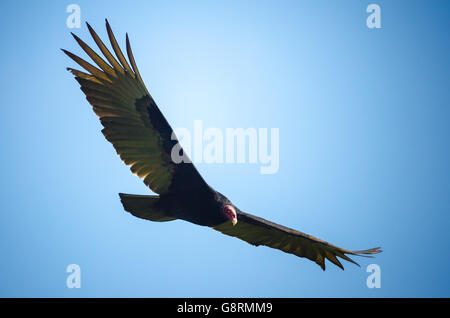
364,147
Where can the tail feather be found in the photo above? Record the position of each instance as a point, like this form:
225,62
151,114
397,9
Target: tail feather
144,207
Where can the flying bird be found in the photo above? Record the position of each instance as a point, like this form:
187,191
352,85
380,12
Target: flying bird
144,140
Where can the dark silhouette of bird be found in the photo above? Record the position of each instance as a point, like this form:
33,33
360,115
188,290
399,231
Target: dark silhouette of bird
144,140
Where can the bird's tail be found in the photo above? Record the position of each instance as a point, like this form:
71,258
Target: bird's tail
144,207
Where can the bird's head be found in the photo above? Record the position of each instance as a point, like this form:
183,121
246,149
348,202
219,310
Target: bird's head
229,212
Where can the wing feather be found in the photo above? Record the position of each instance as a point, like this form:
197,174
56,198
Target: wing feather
133,63
94,56
117,50
88,66
111,59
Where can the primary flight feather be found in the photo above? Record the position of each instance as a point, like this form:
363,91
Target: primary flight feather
144,140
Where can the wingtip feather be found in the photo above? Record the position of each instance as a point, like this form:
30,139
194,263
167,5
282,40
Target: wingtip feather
371,251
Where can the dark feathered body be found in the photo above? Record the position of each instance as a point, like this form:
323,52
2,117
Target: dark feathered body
194,207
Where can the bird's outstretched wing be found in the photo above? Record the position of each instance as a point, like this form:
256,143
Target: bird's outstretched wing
132,121
257,231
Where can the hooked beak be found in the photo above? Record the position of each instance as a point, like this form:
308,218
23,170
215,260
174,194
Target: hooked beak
234,221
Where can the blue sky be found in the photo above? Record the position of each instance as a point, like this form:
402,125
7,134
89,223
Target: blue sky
364,158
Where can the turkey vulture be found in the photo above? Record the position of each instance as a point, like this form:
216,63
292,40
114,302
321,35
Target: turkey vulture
142,138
